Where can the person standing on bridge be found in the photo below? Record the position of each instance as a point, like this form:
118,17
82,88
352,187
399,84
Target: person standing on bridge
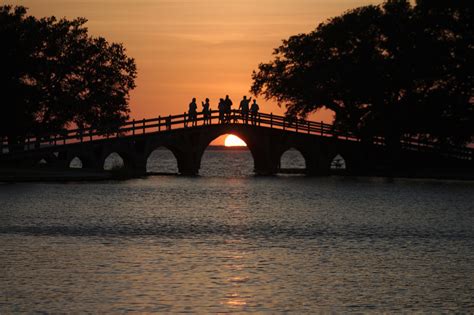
221,107
206,112
244,109
254,112
228,108
192,112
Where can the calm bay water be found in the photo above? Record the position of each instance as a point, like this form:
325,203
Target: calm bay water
228,241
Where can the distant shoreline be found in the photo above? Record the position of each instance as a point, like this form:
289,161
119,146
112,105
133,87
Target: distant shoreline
80,175
223,147
218,148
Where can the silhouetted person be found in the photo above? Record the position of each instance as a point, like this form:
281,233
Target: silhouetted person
228,107
222,110
192,113
206,112
244,109
254,112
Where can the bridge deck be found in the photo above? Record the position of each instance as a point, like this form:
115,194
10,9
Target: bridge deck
182,121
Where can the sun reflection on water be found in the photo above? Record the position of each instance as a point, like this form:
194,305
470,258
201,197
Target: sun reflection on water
234,300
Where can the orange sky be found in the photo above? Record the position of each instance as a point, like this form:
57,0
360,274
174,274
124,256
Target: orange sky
195,48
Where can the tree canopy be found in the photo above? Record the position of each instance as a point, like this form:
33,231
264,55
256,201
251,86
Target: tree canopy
392,70
53,75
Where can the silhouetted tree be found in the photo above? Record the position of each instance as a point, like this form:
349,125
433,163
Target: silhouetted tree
390,70
53,75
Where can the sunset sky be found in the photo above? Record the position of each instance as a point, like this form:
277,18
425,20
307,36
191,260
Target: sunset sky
195,48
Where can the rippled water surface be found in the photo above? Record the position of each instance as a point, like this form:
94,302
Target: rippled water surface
228,241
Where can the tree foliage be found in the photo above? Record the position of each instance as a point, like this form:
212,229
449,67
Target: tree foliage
395,69
54,75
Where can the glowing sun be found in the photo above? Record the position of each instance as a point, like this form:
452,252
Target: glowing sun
234,141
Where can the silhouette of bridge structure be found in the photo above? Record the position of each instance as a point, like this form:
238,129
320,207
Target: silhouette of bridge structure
267,138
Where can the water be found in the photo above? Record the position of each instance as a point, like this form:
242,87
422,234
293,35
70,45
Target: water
231,242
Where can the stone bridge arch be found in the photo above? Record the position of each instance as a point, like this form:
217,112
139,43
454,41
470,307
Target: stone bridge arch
217,132
356,158
300,154
314,151
88,154
156,144
75,162
131,152
257,140
88,159
128,162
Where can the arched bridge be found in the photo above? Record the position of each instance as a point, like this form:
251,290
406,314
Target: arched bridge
267,136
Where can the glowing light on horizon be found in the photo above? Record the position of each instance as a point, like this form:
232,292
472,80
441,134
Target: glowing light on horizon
234,141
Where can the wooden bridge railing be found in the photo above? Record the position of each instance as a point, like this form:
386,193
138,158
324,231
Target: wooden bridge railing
174,122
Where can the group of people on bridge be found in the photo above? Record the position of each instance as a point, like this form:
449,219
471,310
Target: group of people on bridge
225,111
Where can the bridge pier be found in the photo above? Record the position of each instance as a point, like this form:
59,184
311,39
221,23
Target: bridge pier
318,166
89,157
188,163
265,162
136,166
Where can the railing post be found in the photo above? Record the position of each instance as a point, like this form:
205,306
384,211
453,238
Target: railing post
90,134
159,123
309,127
296,124
184,120
133,127
271,120
143,125
283,122
322,128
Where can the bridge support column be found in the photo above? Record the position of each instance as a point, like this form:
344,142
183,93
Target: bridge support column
62,160
318,165
90,160
321,168
317,158
265,163
266,158
188,164
137,166
266,150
